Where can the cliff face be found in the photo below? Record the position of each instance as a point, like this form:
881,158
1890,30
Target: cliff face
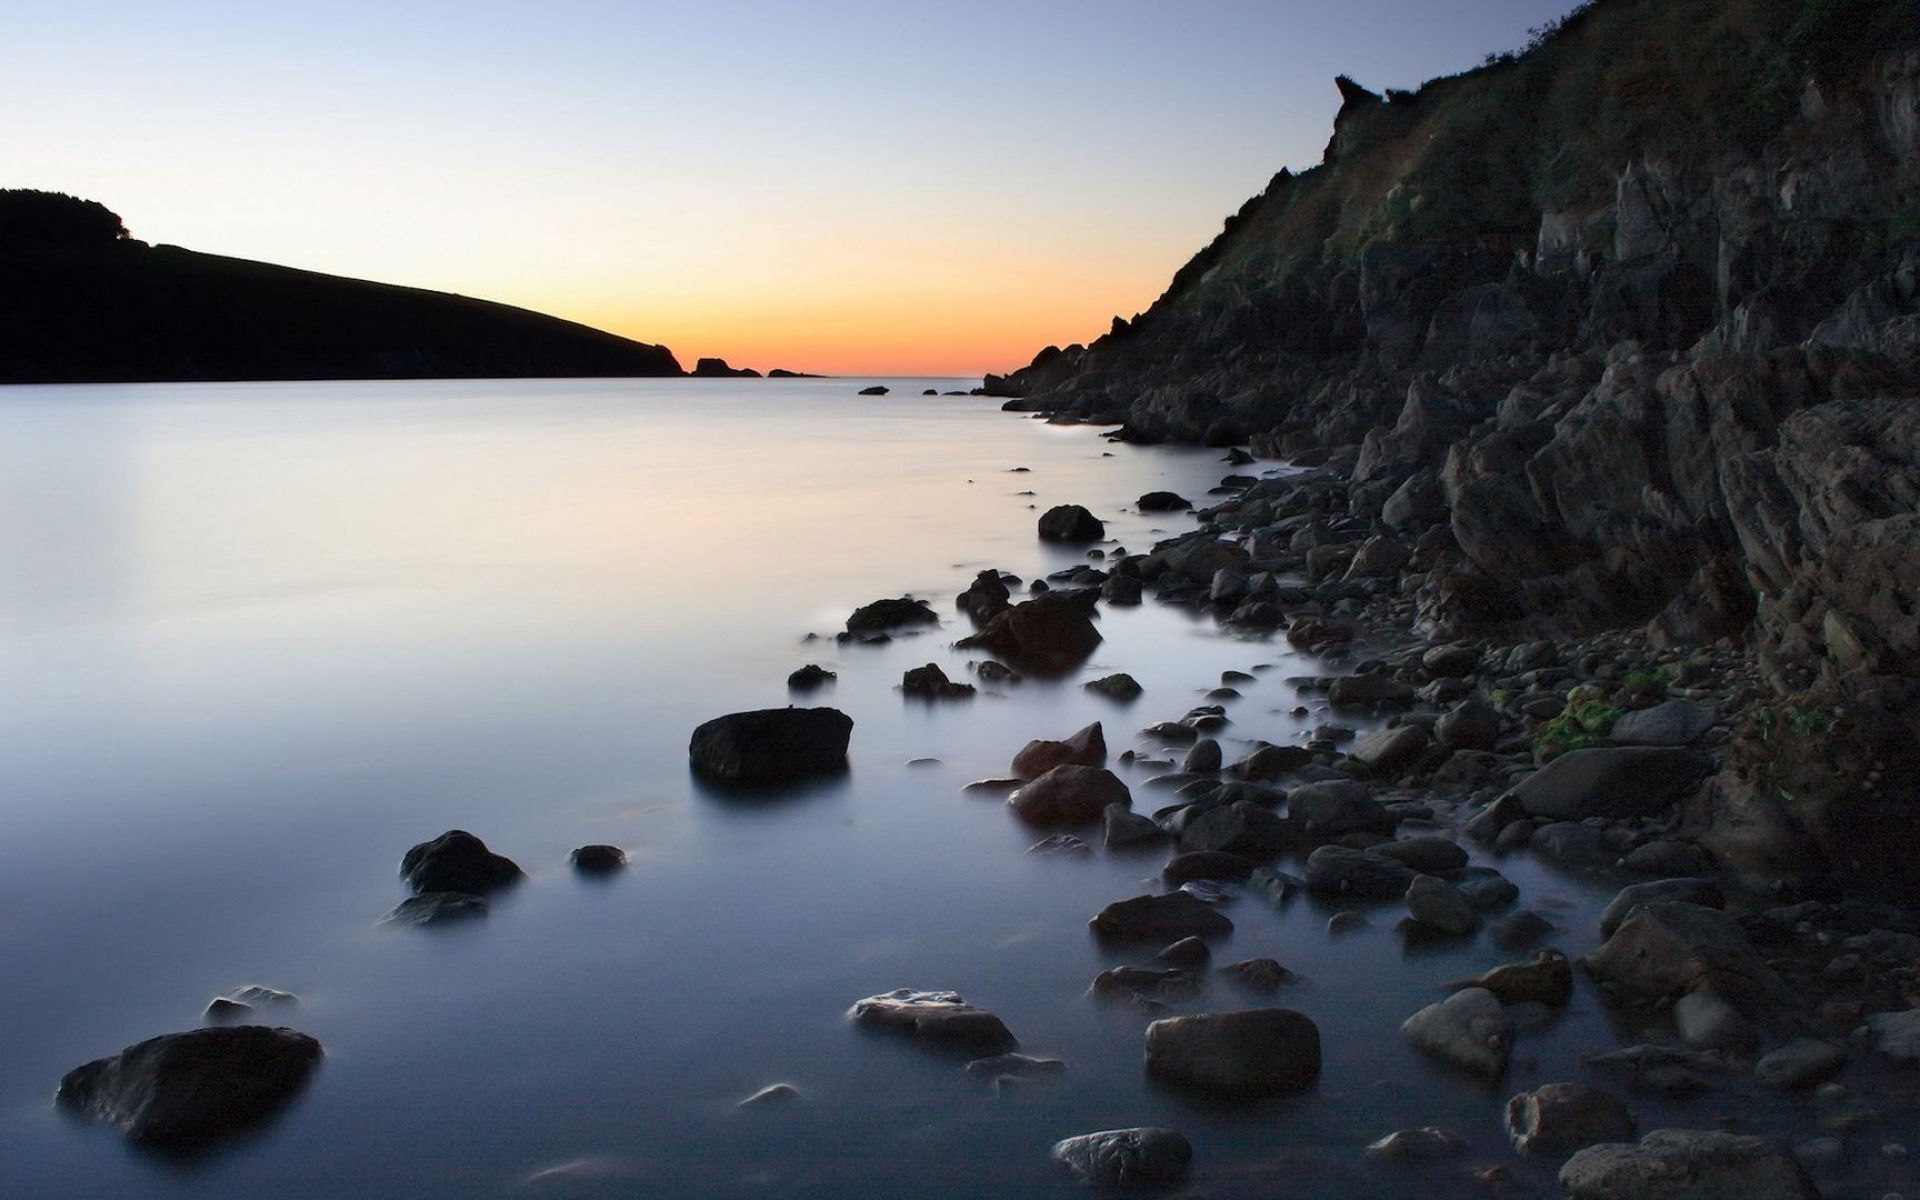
1603,312
82,302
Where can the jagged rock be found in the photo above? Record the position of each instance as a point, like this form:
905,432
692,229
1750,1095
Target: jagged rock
1126,1158
940,1018
1124,829
985,598
1626,781
1070,523
1687,1164
810,677
1086,747
931,683
1050,634
1559,1118
457,861
772,745
1161,918
1546,978
884,616
1469,1030
1248,1052
182,1091
1069,794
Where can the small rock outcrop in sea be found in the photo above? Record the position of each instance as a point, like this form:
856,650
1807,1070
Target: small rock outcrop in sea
1126,1158
457,861
929,682
1159,918
183,1091
1686,1164
1070,523
717,368
1051,634
941,1019
1086,747
772,745
437,908
242,1003
1625,781
1119,687
1247,1052
1163,502
985,598
885,616
1559,1118
1546,978
1470,1030
598,859
1665,949
809,678
874,390
1069,794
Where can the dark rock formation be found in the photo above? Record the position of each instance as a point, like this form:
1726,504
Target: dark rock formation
883,616
182,1091
1069,794
94,305
1050,634
1085,747
1162,918
1249,1052
598,859
457,861
941,1019
717,368
929,682
1672,1164
1070,523
772,745
875,390
1126,1158
985,598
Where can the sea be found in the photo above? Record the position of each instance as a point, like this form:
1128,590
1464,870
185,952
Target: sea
257,640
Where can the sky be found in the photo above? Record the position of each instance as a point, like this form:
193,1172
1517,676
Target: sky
832,186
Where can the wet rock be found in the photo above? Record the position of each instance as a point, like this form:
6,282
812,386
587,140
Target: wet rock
1258,974
1519,929
990,671
1121,687
1687,1164
241,1004
1241,828
1485,888
1135,984
875,390
1438,905
1126,1158
1335,807
940,1018
1060,845
1086,748
1367,691
1270,762
1342,923
457,861
1426,854
1664,950
1664,1070
1469,1030
435,908
1163,502
772,745
1571,844
1070,523
1664,856
1801,1063
985,598
1546,978
1415,1145
1559,1118
1189,953
1248,1052
1069,794
1894,1034
1674,723
1123,828
1050,634
1451,662
1706,1022
1337,871
931,683
1613,782
1387,752
598,859
1159,918
998,1066
1703,892
1202,757
774,1095
1205,864
885,616
182,1091
810,678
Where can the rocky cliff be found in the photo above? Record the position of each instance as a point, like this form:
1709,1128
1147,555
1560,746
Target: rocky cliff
1606,311
80,301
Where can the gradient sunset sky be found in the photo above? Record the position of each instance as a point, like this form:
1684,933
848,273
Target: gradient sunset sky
853,188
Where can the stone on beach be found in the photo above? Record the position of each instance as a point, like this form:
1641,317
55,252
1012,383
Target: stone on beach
457,861
1159,918
1546,978
1070,523
1050,634
1341,872
1086,747
1470,1030
1703,892
1610,781
1247,1052
1687,1164
1126,1158
181,1091
772,745
1069,794
1559,1118
1439,905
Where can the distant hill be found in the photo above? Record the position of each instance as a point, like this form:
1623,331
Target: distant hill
82,302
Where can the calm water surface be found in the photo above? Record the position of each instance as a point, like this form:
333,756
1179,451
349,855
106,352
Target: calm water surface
259,639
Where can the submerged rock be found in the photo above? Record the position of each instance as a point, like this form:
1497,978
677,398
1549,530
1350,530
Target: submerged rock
1559,1118
931,683
1050,634
1069,794
884,616
809,678
434,908
1469,1029
1086,747
1416,1145
182,1091
1546,978
940,1018
1126,1158
1249,1052
1623,781
1687,1164
1159,918
772,745
1120,687
598,859
1070,523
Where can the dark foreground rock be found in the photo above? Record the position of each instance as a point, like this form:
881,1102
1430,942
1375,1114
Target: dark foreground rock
457,861
1687,1164
1159,918
1050,634
1126,1158
1248,1052
941,1019
182,1091
1070,523
1623,781
1069,794
1559,1118
883,616
772,745
931,683
1085,747
598,859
